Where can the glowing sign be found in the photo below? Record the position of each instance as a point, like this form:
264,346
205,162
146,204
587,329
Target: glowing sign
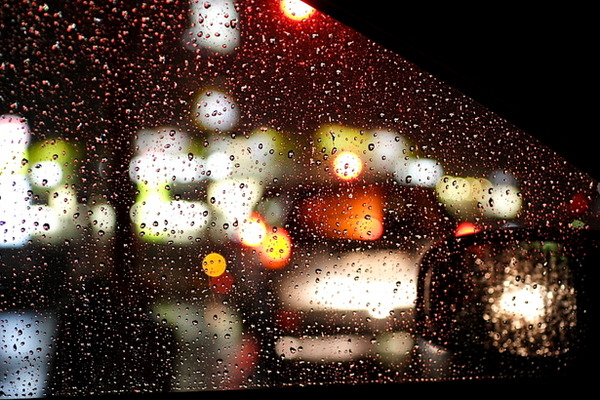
163,157
44,169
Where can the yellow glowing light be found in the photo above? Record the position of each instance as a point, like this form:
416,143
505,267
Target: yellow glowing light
214,264
296,9
347,165
276,249
253,231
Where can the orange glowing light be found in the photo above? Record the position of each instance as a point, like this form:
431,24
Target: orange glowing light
253,231
367,228
355,215
296,9
347,165
214,264
276,249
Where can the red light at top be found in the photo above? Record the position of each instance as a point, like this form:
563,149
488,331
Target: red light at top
296,9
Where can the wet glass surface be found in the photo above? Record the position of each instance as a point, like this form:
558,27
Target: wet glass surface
216,195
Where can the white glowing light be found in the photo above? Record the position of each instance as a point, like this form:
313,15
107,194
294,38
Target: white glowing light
15,224
46,174
347,165
217,111
235,200
419,172
46,221
375,282
504,201
523,302
252,231
174,221
214,26
161,140
385,149
14,139
219,165
156,168
242,158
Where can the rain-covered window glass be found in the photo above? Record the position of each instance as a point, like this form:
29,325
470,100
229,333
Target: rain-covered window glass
212,195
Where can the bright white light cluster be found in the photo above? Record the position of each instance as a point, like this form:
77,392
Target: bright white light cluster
235,168
20,219
163,158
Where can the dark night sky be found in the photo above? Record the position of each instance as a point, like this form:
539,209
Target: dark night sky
532,66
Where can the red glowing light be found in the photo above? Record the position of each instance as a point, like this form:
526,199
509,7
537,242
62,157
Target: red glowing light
465,228
222,284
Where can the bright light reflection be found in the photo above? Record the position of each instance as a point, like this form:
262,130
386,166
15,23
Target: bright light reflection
347,165
296,9
376,282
